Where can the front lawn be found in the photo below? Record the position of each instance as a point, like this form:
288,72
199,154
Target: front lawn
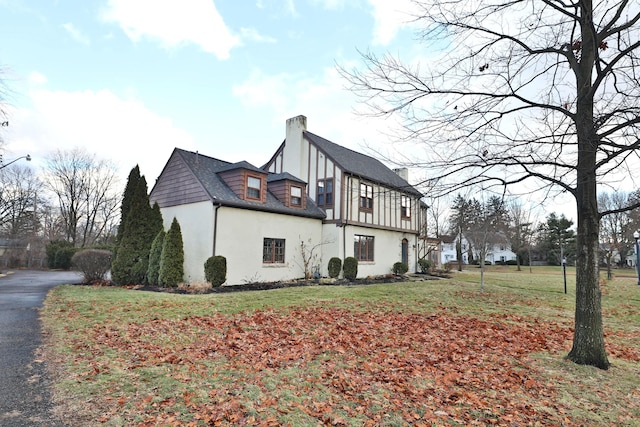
425,353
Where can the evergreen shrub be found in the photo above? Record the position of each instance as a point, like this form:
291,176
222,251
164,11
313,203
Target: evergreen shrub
400,268
172,257
335,265
154,258
59,253
215,270
424,265
350,268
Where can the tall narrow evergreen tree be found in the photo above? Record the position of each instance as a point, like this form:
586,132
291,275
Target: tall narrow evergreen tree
172,258
154,258
125,207
142,224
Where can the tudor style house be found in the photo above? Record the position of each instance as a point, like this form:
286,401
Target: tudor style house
312,195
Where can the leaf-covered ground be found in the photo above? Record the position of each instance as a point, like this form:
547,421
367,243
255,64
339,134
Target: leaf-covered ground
333,366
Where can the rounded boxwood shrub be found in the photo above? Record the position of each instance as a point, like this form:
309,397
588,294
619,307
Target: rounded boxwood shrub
215,270
425,265
335,265
350,268
400,268
92,263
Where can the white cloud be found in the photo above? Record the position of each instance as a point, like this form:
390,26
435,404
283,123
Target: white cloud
390,17
331,4
76,34
253,35
37,78
174,23
121,130
325,102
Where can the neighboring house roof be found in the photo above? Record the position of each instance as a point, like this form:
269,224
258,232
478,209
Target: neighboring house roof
447,238
205,170
361,165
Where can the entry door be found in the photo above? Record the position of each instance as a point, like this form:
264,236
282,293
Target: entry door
405,251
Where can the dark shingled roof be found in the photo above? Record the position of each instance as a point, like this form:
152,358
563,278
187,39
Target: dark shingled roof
361,165
206,170
273,177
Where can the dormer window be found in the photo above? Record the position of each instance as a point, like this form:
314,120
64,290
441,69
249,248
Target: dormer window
254,187
296,196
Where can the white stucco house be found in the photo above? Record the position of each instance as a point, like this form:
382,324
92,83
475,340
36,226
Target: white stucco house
312,191
498,250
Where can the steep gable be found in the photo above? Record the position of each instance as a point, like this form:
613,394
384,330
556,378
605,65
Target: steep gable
177,185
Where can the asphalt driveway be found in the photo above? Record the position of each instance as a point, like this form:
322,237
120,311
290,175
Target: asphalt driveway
24,384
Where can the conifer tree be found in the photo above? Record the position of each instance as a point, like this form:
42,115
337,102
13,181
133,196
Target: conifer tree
154,258
127,197
172,258
142,224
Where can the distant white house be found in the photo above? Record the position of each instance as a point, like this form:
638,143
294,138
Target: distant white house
498,251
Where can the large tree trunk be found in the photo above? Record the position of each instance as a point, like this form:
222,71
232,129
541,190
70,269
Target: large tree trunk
588,337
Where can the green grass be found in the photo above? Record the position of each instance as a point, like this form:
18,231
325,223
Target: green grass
140,358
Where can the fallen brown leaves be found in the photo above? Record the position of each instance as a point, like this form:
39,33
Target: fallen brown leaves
342,367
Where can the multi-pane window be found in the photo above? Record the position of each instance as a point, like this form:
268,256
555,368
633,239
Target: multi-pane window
366,196
273,251
363,247
296,196
325,192
405,206
253,187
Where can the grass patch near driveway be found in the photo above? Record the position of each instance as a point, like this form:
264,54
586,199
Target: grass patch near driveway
431,353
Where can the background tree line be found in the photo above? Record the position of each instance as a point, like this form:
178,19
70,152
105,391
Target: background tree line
74,198
483,224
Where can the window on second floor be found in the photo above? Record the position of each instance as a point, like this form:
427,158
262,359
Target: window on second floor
324,196
296,196
405,206
254,187
363,247
366,197
273,251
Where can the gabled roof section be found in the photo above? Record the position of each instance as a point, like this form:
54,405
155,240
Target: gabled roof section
274,177
206,170
361,165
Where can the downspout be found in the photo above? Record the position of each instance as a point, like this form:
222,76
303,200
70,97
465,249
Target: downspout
346,220
215,224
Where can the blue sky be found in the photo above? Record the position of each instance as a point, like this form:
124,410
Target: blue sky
131,79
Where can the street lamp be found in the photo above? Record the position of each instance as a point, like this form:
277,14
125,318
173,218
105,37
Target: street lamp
28,157
636,236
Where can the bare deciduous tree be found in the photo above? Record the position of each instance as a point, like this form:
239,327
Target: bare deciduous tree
19,189
614,228
86,191
543,92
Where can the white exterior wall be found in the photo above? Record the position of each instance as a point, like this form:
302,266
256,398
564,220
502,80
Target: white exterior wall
196,225
387,250
240,238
